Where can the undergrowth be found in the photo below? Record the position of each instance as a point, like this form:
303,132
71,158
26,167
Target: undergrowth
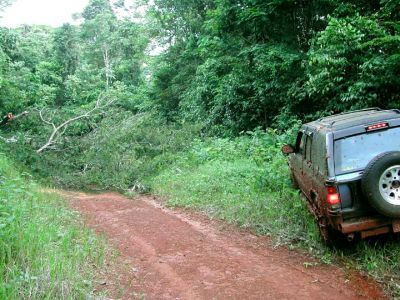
44,251
243,181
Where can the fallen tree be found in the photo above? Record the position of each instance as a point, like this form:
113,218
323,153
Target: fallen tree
58,130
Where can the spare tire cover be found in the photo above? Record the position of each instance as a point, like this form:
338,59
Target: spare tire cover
381,183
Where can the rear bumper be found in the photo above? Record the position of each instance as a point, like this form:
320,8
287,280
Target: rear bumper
370,226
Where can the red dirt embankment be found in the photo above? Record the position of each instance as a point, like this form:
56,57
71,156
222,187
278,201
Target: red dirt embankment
173,254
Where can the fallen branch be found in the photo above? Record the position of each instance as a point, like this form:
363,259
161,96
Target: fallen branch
9,140
58,130
24,113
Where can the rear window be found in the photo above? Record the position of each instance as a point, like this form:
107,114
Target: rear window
354,153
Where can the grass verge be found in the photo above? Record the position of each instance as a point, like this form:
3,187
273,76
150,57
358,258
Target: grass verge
44,251
232,187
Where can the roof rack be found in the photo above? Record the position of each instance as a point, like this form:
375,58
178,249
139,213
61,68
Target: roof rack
396,110
351,112
354,111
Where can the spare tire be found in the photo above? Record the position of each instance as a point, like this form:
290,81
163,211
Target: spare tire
381,183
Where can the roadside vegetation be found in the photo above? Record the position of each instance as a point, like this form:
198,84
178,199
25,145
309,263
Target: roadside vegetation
45,253
200,121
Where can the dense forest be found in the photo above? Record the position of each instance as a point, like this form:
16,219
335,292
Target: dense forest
188,69
233,65
192,99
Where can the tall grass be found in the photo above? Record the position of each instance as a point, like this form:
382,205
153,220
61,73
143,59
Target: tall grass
243,181
44,251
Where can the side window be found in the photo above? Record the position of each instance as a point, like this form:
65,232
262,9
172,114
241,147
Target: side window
316,152
322,157
300,142
308,148
319,153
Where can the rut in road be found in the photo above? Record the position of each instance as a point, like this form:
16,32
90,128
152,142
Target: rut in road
174,254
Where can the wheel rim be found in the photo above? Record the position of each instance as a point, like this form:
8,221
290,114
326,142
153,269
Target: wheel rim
389,185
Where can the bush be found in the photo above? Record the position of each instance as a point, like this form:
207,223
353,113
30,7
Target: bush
116,153
243,181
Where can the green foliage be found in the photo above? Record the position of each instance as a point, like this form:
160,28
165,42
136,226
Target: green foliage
244,181
129,146
96,8
233,65
44,252
26,76
135,149
66,49
353,64
71,65
229,95
240,64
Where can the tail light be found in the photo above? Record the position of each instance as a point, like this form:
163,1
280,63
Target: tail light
333,197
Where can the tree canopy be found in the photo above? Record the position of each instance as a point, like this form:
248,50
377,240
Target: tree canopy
229,65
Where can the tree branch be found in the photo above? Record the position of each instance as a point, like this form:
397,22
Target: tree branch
40,111
8,141
59,130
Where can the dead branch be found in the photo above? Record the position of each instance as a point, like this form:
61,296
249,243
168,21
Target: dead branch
23,114
58,130
9,140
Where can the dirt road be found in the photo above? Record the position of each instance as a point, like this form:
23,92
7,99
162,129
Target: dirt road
168,254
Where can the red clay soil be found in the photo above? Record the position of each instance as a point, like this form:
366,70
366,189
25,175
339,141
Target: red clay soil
173,254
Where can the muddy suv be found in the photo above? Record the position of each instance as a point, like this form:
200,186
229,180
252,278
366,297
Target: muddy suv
348,168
